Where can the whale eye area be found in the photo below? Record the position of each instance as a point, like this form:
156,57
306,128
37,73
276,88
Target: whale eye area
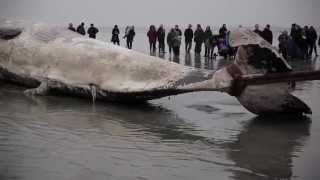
9,33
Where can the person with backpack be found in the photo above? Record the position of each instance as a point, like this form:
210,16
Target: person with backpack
92,31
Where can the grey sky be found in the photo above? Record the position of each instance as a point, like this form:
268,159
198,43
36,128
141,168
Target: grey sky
145,12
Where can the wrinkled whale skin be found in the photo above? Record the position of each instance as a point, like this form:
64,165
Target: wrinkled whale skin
50,59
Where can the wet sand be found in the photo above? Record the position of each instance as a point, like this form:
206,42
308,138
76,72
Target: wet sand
206,135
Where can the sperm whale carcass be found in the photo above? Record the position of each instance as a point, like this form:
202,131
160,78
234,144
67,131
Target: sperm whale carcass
50,59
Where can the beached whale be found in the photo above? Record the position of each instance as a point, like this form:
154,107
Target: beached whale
50,59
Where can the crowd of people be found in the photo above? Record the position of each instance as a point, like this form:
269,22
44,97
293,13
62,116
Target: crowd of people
300,43
199,37
92,30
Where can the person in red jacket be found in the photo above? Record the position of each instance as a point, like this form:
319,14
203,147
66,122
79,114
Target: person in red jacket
152,35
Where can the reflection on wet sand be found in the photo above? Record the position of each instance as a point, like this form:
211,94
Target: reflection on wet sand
187,60
209,63
150,118
263,149
197,61
267,145
58,137
43,136
194,60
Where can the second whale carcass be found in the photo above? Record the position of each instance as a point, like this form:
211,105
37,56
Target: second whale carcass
50,59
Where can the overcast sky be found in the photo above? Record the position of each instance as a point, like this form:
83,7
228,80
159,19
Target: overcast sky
144,12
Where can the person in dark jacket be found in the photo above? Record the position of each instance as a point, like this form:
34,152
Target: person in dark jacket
223,30
81,30
152,35
214,44
71,28
267,34
206,38
92,31
294,33
312,36
283,44
170,38
297,43
257,30
115,35
130,36
177,41
188,36
161,35
304,42
176,28
198,39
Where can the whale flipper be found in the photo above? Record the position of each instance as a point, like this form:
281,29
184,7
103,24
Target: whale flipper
42,89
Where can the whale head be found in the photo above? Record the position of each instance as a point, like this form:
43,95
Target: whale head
257,56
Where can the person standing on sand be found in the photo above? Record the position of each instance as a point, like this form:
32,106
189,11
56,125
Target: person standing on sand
267,34
223,30
170,38
152,35
304,42
188,36
115,35
81,30
176,28
161,35
130,36
176,42
283,44
206,39
92,31
198,39
313,36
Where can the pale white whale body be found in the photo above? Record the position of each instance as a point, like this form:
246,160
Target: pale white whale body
52,59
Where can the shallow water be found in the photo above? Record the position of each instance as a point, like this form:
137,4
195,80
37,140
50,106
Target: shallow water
204,135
